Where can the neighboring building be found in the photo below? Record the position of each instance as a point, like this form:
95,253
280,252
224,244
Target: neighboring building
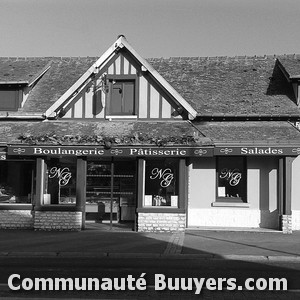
161,144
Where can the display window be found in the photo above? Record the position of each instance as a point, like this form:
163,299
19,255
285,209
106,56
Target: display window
17,182
231,179
161,183
60,181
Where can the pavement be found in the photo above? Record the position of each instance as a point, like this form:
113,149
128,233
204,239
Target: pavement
201,243
194,243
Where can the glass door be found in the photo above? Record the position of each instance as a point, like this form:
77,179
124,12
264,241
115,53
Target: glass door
111,191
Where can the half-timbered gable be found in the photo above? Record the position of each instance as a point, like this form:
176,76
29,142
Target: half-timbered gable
122,87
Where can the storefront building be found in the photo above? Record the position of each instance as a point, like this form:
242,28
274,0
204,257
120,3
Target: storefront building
162,145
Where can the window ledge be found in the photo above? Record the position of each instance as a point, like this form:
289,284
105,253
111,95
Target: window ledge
122,117
160,209
230,204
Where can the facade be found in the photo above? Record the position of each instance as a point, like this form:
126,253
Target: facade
159,144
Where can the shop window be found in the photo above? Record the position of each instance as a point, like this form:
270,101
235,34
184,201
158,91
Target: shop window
231,179
161,183
121,98
60,181
16,182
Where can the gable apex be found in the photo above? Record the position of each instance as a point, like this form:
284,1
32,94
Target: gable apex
112,51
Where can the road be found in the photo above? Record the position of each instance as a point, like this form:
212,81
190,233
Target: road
104,267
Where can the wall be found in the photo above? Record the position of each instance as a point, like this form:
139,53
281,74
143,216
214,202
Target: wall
16,219
57,220
261,195
161,222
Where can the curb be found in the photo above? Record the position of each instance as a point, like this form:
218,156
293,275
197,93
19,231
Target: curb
266,258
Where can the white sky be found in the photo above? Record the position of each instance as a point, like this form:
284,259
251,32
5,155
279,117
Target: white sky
155,28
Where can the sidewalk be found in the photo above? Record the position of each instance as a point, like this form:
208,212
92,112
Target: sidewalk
201,244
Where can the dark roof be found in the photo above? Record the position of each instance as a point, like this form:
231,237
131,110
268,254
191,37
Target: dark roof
21,69
291,64
230,85
63,73
270,132
81,132
242,86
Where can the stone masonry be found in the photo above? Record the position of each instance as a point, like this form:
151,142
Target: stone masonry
57,220
286,224
16,219
161,222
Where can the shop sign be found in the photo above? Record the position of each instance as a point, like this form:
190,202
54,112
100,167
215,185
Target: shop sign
114,151
256,150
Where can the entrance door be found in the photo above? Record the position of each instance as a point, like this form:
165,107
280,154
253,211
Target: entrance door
111,191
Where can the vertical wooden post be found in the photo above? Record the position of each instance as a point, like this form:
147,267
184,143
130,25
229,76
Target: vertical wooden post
40,176
111,191
280,186
141,182
285,193
81,187
182,193
288,186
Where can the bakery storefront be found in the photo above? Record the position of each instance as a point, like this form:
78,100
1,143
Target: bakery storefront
69,186
147,188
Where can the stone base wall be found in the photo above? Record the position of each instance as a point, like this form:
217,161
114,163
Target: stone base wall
16,219
296,219
286,224
161,222
233,217
57,220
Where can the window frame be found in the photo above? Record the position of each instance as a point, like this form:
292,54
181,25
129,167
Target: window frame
242,200
121,79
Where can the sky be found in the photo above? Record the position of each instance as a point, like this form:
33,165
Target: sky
154,28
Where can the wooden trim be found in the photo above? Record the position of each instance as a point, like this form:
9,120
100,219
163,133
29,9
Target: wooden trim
137,96
122,65
123,77
285,185
280,186
57,207
81,187
114,66
182,188
83,103
13,206
141,182
288,185
148,99
129,66
160,106
40,174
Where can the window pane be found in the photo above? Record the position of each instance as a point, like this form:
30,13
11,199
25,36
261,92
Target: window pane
60,185
116,99
16,182
231,178
161,183
128,98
